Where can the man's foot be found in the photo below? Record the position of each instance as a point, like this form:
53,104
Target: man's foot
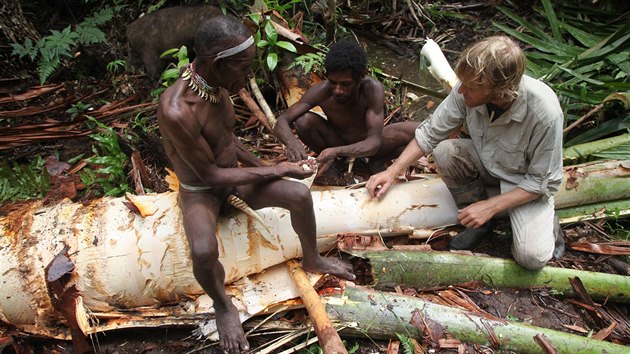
231,336
558,251
329,265
466,239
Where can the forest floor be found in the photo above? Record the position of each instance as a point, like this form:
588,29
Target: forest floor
116,99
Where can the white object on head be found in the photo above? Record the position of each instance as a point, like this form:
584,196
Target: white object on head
236,49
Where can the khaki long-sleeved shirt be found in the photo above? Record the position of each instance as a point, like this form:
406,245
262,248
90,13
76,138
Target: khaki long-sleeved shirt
523,146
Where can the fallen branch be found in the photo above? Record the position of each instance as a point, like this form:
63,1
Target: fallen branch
381,315
616,208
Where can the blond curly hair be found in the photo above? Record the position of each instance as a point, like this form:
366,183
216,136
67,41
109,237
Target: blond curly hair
496,62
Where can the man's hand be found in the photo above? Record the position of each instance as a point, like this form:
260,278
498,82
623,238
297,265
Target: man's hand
477,214
325,160
300,170
378,184
296,152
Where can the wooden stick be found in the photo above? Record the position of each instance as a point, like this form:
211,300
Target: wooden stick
262,102
328,337
253,106
584,117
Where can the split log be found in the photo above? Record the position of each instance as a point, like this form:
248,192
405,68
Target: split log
431,270
382,315
124,261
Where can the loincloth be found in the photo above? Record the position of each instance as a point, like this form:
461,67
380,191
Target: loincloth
191,188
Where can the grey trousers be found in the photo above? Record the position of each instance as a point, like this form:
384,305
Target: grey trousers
532,223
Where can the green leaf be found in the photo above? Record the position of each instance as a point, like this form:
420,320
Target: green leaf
621,152
585,38
169,52
262,43
182,54
602,130
287,46
581,77
553,20
272,61
255,17
271,33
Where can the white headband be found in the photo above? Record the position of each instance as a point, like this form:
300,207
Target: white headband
236,49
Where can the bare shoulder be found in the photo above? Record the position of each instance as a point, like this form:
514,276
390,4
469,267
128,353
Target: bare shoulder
372,91
369,84
172,108
318,93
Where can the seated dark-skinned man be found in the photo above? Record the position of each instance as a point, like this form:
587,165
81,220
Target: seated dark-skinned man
196,120
353,104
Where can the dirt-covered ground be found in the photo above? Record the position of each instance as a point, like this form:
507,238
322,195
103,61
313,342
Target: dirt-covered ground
84,79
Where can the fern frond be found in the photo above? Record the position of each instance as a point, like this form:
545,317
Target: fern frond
46,68
99,18
58,44
22,50
90,35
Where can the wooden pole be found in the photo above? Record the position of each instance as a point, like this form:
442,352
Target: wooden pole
328,337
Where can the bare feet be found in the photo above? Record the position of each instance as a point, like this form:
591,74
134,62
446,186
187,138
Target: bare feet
328,265
231,336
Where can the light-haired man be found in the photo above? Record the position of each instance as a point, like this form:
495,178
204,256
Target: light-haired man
515,126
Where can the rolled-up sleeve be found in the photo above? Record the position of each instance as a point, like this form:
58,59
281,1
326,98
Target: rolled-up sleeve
449,115
544,174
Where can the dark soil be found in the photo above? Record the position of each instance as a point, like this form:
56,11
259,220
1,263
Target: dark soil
538,307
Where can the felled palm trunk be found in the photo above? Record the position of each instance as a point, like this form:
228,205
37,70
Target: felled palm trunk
594,182
383,315
581,151
430,270
119,260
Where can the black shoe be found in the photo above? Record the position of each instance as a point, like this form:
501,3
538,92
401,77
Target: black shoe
558,251
466,239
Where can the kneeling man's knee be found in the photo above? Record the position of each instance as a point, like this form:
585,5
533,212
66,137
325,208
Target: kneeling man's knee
306,123
443,151
530,258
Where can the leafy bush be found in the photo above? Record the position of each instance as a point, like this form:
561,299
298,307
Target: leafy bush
171,74
51,49
24,181
110,162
